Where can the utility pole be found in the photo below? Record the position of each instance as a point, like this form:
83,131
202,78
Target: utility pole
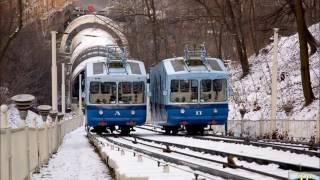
274,83
63,90
54,82
80,95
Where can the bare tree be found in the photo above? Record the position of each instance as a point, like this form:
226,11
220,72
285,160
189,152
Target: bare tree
230,15
313,43
239,36
15,32
304,57
151,13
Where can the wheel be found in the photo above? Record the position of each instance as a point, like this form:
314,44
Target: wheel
125,130
201,131
191,130
112,128
175,130
99,129
167,130
87,128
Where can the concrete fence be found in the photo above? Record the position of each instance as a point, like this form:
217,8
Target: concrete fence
297,129
25,150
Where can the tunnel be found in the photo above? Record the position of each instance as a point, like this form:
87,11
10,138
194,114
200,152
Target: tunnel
85,40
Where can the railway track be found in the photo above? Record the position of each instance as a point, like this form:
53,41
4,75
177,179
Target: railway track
294,148
161,146
197,163
261,161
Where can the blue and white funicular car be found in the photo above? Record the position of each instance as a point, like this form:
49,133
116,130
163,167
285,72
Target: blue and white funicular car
190,91
115,92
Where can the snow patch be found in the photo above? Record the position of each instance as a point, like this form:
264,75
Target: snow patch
253,92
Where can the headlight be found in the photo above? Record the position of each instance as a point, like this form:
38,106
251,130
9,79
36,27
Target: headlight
182,111
100,112
133,112
215,110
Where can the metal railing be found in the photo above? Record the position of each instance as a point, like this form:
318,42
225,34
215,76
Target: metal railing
297,129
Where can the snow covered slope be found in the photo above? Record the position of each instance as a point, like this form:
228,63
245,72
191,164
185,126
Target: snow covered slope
254,91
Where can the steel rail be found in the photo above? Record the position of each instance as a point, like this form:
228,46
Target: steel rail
282,165
195,167
210,160
282,147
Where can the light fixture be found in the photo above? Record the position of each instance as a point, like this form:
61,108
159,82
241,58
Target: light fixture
100,112
133,112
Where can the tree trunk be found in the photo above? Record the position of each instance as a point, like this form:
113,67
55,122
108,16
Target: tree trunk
253,28
304,58
313,43
238,36
220,42
152,17
16,31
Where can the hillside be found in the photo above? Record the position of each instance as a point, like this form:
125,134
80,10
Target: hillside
253,92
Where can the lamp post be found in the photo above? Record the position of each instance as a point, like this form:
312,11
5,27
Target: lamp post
63,90
54,82
44,111
80,94
274,83
60,116
69,68
53,114
23,103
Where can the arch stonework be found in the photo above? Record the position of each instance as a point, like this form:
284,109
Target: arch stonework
95,51
92,19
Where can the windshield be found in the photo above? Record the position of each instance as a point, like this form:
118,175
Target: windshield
131,92
106,92
103,92
213,90
184,91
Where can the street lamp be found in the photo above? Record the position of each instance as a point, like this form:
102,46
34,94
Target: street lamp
53,114
60,116
69,69
23,103
54,82
44,111
63,89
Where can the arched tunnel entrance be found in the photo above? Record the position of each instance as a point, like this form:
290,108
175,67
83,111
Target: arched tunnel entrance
85,40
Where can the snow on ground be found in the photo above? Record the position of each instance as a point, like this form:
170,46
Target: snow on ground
213,165
241,149
127,165
75,160
253,92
